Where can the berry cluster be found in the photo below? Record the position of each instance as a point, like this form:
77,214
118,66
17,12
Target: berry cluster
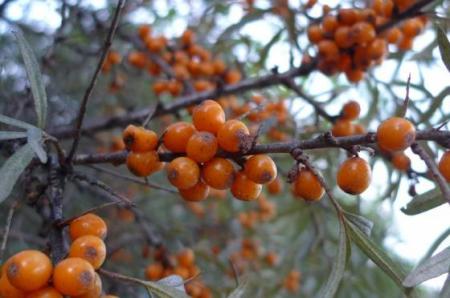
266,211
344,126
28,273
349,42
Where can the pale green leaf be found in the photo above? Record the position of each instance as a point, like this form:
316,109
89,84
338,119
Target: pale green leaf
444,47
424,202
34,138
362,223
15,122
11,135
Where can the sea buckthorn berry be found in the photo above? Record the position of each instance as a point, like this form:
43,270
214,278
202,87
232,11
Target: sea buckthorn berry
154,271
232,76
354,75
271,258
329,24
91,248
412,27
159,87
156,44
245,189
377,48
359,129
307,186
363,33
405,43
354,175
202,146
144,31
183,172
139,139
48,292
260,169
232,135
177,135
198,192
188,37
208,116
351,110
444,165
219,66
7,290
347,16
186,257
342,128
328,49
394,35
96,289
218,173
73,276
401,161
395,134
343,37
314,33
138,59
275,187
143,164
88,224
28,270
114,57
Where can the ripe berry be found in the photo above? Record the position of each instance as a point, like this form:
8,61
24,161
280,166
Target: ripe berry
183,172
186,257
138,59
232,135
218,173
395,134
177,135
351,110
342,128
7,290
347,16
359,129
73,276
260,169
315,34
275,187
29,270
88,224
232,76
307,186
245,189
48,292
202,146
343,37
354,175
401,161
144,31
154,271
196,193
139,139
363,33
187,37
444,165
329,24
328,49
91,248
208,116
143,164
96,289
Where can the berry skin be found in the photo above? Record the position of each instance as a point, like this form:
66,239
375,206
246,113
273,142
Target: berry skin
202,146
143,164
260,169
73,277
351,110
401,161
359,129
444,165
138,59
48,292
7,290
343,37
183,172
232,135
208,116
354,175
275,187
307,186
232,76
315,34
139,139
363,33
90,248
245,189
88,224
154,271
395,134
196,193
29,270
96,290
218,173
186,257
342,128
177,135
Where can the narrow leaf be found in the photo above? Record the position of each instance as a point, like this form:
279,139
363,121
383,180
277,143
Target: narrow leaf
35,77
240,290
376,254
34,138
362,223
174,281
430,268
424,202
11,135
265,51
15,122
163,291
444,47
332,285
12,168
445,291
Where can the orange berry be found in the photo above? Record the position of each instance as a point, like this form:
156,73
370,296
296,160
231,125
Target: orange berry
91,248
144,31
177,135
218,173
7,290
351,110
28,270
393,35
202,85
143,164
347,16
183,172
328,49
444,165
154,271
363,33
95,291
187,37
275,187
180,72
159,87
139,139
208,116
114,57
315,34
48,292
196,193
232,135
88,224
186,257
354,75
232,76
405,43
245,189
73,276
343,37
395,134
202,146
359,129
117,144
329,24
307,186
260,169
138,59
401,161
156,44
354,175
219,66
342,128
377,48
271,258
412,27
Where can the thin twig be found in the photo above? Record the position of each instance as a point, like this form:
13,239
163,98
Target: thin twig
406,101
91,210
7,228
235,272
93,81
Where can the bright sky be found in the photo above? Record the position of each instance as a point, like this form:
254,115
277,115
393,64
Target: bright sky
411,235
